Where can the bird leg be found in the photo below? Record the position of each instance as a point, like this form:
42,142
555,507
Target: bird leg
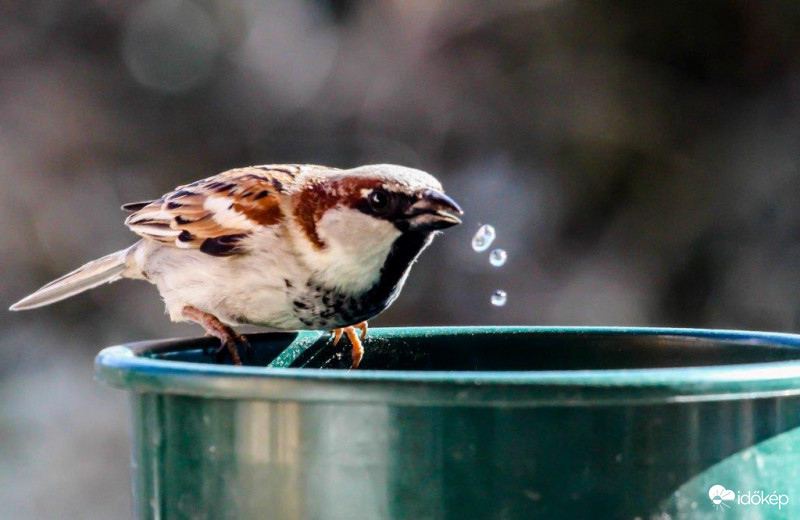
350,332
229,338
363,327
358,348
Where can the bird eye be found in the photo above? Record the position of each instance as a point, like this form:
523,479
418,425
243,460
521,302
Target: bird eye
380,202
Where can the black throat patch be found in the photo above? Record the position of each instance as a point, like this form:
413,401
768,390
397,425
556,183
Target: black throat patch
322,307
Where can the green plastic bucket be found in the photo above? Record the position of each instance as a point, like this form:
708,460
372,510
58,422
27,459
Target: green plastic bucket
468,423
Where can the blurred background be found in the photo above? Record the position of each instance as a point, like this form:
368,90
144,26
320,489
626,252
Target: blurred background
639,160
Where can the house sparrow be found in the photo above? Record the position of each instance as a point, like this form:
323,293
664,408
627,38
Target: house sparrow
287,247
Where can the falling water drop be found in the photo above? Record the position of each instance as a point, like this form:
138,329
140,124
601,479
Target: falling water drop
499,298
483,238
498,257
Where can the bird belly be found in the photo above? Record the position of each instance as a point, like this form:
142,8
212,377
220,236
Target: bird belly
244,289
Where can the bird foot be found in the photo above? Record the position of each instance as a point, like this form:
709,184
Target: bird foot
355,340
229,339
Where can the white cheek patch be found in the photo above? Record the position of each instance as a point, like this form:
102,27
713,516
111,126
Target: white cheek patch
350,228
357,246
225,215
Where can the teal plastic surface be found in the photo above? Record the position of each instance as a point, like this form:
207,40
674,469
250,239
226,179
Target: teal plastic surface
468,423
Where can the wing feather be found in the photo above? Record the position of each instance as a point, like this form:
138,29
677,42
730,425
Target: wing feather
216,215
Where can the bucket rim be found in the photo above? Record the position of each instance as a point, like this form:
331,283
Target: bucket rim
128,367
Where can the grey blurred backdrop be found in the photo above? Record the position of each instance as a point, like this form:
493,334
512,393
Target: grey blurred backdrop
640,161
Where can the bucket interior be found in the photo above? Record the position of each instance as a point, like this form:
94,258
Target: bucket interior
498,350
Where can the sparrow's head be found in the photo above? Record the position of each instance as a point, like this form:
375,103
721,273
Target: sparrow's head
360,220
408,199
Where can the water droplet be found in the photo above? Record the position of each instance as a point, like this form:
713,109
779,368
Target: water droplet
498,257
499,298
483,238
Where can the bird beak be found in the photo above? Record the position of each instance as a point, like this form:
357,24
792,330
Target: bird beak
434,210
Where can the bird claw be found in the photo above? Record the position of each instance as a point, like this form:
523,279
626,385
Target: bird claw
229,339
358,348
355,340
242,341
230,346
363,327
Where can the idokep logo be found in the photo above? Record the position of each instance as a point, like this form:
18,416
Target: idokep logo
719,496
760,498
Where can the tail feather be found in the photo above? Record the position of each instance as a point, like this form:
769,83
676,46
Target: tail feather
103,270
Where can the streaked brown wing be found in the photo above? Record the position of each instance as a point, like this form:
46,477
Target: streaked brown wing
217,214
